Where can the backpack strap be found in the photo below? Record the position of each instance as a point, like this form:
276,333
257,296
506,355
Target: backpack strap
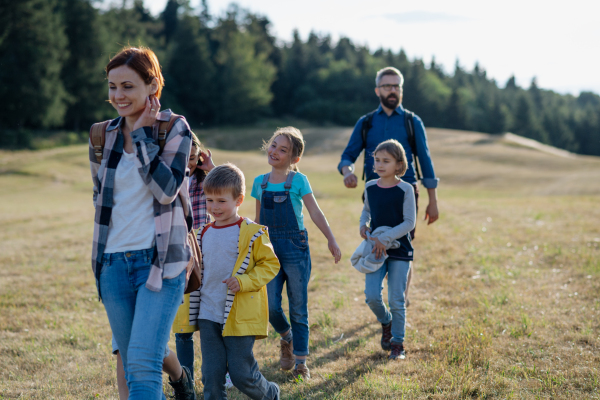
265,181
367,124
409,124
97,135
288,182
164,127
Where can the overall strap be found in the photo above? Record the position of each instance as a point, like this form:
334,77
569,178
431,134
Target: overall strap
265,181
288,181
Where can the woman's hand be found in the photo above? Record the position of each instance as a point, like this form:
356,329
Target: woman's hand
335,250
232,284
378,248
207,162
148,117
363,231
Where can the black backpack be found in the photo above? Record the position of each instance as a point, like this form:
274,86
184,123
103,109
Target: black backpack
409,124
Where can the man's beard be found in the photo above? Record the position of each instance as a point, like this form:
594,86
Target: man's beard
391,101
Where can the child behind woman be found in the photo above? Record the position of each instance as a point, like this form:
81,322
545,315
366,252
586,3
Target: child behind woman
199,165
389,202
280,196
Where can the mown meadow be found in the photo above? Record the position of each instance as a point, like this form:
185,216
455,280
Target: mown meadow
505,300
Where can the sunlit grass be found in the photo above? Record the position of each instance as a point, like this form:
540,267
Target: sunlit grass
505,297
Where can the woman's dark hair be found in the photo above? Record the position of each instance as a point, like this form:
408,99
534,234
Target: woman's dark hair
200,174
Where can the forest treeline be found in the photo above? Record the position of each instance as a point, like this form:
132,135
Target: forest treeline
230,69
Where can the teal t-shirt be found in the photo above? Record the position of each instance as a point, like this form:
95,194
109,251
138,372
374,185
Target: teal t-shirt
300,188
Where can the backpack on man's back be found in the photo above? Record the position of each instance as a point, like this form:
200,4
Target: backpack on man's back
409,124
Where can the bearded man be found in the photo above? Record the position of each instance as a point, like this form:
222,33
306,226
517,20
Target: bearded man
389,122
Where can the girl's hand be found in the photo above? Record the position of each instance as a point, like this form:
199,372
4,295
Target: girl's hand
378,248
363,231
207,162
148,117
335,250
232,284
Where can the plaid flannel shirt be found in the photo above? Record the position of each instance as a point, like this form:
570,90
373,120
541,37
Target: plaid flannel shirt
198,199
165,175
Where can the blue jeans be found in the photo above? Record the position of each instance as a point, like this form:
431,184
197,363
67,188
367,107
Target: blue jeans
140,319
184,343
397,271
294,257
234,353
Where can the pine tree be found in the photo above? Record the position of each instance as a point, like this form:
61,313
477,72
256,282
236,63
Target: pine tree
33,48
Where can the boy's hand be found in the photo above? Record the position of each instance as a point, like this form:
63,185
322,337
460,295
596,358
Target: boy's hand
233,284
335,250
378,248
363,231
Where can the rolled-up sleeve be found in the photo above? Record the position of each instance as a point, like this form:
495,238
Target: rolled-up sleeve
429,180
354,147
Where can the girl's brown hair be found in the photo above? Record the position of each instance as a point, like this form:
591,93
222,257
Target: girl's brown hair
294,136
200,174
143,61
394,149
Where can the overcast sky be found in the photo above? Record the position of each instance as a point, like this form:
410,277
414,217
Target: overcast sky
558,42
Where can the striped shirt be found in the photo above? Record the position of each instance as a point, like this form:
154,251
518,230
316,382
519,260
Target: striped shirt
165,176
201,217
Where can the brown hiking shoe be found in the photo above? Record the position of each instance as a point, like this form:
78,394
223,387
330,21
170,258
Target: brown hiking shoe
301,372
386,336
287,360
397,352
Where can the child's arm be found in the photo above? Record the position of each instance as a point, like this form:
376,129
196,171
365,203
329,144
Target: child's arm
365,218
257,217
265,269
319,219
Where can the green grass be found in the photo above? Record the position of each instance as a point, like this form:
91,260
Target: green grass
505,296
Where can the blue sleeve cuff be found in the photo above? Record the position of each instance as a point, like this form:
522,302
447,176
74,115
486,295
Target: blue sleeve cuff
344,163
430,183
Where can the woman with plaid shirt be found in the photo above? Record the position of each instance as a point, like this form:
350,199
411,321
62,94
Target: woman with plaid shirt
140,252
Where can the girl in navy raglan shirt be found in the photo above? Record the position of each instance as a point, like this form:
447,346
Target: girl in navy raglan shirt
390,202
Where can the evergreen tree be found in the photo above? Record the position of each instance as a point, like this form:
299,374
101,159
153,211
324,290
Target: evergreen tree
82,73
33,48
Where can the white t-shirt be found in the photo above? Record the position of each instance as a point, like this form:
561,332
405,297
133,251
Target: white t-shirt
219,255
132,221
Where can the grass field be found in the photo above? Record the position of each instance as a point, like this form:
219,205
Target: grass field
505,296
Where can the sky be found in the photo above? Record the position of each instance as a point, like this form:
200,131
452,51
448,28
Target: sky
556,42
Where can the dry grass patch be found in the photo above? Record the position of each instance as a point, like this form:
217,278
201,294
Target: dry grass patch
505,298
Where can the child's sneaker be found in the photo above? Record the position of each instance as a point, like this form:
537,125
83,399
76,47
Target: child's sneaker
386,336
287,360
228,383
397,352
301,372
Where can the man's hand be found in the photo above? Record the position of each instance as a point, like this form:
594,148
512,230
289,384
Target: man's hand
431,213
378,248
363,231
233,284
350,180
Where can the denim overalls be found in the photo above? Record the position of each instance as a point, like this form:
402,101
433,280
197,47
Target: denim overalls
291,247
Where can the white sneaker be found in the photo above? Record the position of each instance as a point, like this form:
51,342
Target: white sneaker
228,383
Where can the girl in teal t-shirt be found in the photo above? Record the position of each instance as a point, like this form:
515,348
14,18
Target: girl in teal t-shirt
280,195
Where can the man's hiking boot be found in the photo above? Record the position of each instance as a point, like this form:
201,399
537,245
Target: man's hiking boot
287,360
386,336
184,387
301,372
397,352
